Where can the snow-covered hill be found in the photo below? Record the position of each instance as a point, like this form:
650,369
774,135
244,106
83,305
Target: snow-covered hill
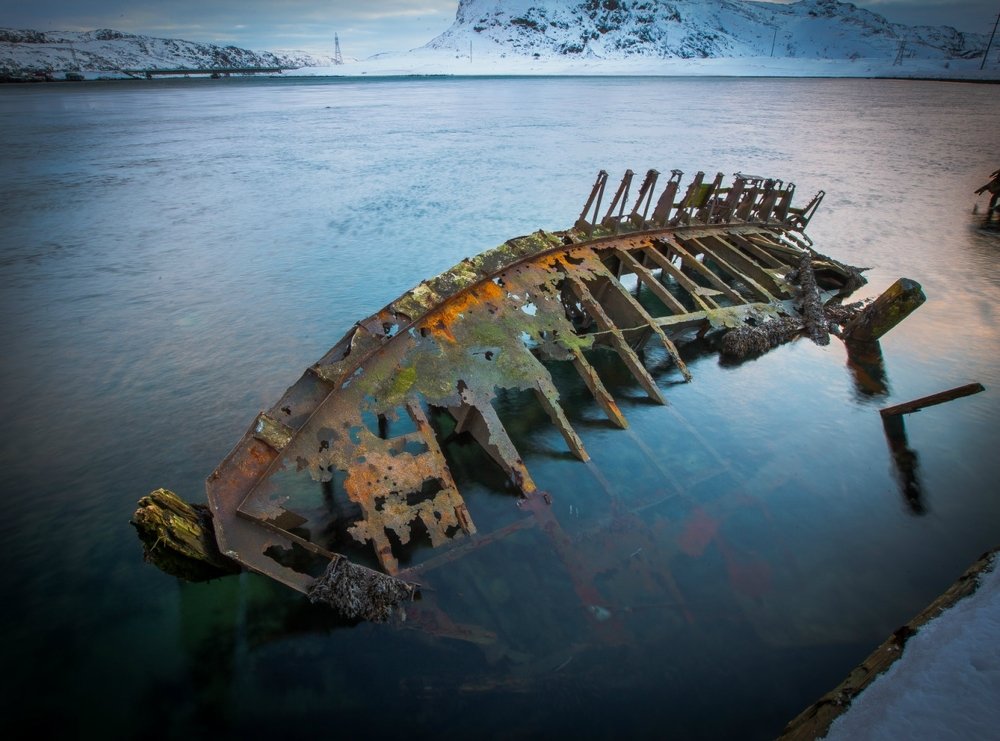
823,38
110,51
622,29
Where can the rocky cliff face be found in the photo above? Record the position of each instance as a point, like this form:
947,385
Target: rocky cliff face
817,29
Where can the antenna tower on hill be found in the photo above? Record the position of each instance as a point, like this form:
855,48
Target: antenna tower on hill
990,44
900,54
337,58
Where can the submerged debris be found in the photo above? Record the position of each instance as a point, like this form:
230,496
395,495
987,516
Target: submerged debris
348,458
755,339
993,186
838,315
811,304
357,593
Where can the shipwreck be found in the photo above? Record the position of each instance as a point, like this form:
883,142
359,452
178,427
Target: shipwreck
349,460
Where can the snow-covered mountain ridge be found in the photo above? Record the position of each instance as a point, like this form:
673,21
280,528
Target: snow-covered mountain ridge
106,50
619,29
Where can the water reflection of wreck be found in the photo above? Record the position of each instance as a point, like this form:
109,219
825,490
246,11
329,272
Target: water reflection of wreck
350,459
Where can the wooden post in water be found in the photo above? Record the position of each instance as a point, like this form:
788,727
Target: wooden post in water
898,301
179,538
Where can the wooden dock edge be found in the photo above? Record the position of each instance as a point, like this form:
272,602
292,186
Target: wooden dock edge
814,722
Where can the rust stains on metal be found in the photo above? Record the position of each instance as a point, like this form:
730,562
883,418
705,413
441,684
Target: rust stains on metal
348,460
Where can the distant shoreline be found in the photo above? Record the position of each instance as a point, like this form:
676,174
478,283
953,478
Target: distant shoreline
12,81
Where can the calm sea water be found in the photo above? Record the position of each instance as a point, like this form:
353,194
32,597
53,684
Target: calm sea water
174,253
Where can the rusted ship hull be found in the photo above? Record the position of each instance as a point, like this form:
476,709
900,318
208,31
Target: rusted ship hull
354,428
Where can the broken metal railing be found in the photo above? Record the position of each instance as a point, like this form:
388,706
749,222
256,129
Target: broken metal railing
751,199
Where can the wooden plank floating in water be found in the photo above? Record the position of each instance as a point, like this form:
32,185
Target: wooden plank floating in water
348,455
916,405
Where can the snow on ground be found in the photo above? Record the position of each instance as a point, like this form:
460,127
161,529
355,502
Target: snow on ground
946,685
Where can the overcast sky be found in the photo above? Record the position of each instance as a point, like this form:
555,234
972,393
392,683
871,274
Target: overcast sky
365,27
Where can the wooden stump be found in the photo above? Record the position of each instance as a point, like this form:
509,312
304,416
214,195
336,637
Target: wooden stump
179,538
898,301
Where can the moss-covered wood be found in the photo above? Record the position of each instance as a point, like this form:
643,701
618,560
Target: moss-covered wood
898,301
178,537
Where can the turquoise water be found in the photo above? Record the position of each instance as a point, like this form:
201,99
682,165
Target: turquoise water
174,253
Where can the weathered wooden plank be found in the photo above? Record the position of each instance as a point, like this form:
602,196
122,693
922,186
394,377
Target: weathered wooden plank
916,405
773,246
896,303
815,721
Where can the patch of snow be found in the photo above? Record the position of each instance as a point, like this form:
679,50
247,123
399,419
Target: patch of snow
946,685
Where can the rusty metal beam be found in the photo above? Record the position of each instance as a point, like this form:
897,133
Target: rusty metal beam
611,219
661,214
690,201
547,395
724,264
760,254
486,429
650,281
617,340
707,201
584,223
597,389
784,203
642,315
693,263
643,200
695,291
724,211
746,265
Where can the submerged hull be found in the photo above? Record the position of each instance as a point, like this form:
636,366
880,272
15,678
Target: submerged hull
349,455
